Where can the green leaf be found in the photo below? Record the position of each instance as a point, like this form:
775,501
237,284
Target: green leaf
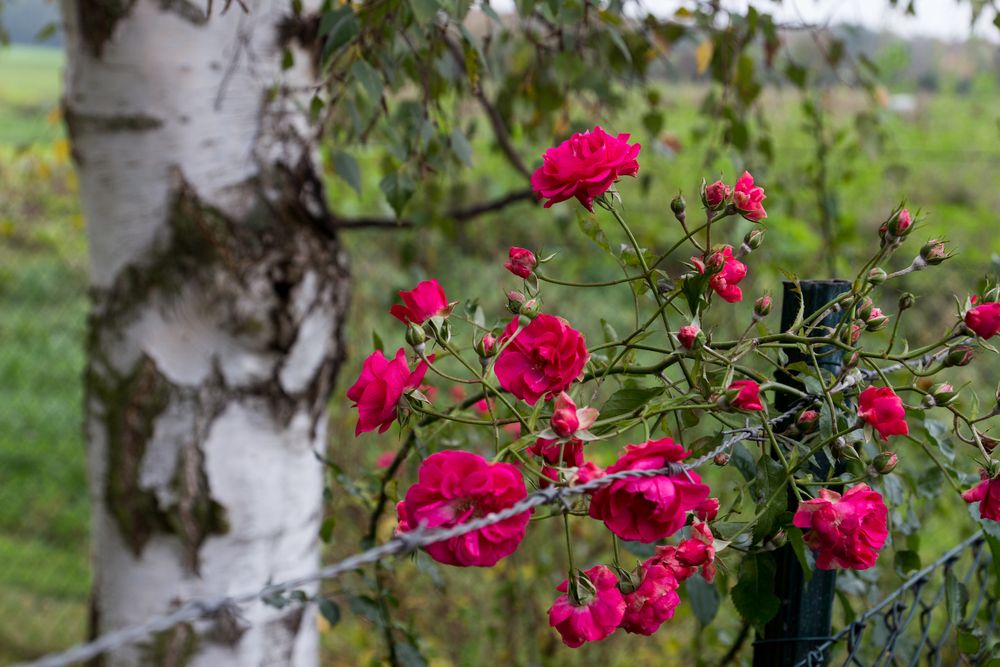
424,10
460,147
326,529
994,544
330,610
753,595
377,341
287,59
347,168
590,227
625,401
799,547
740,457
967,642
769,493
339,27
703,598
906,561
956,597
639,549
369,78
398,188
364,606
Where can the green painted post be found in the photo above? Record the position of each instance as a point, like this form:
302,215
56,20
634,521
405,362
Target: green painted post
806,607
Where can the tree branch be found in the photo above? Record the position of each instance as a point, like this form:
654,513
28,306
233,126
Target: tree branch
460,214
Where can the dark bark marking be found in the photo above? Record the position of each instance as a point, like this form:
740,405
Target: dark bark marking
98,19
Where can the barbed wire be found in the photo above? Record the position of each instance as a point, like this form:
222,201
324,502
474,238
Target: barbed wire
411,541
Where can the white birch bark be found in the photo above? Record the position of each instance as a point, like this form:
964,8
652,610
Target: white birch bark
218,294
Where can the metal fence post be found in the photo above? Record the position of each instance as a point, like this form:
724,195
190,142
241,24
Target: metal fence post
806,608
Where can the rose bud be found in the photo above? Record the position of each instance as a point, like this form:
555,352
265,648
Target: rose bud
959,355
753,239
529,309
989,444
678,206
865,309
715,195
514,301
807,421
884,463
984,319
486,347
521,263
934,252
877,320
941,394
715,262
851,334
721,459
762,307
901,224
690,337
416,337
852,360
842,450
906,301
564,420
877,276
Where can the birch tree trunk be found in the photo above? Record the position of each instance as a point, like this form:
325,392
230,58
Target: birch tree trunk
218,293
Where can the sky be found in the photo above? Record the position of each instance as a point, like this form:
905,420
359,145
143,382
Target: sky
942,19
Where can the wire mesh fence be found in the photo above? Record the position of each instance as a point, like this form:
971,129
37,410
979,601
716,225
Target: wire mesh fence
945,614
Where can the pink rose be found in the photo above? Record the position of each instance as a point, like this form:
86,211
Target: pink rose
687,335
716,194
883,410
593,613
568,454
749,396
694,553
987,494
379,388
521,263
984,319
725,282
542,360
653,603
584,166
564,421
648,508
385,459
454,487
587,472
748,198
844,531
423,302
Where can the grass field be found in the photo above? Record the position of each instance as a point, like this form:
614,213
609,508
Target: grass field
944,159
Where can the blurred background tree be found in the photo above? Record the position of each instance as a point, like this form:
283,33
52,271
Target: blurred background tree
428,118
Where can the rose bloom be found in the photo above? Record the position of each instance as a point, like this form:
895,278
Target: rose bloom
694,553
749,198
708,509
379,388
984,319
749,396
542,360
588,472
687,335
595,617
521,263
454,487
725,282
584,166
568,454
883,410
844,530
653,603
385,459
987,494
647,509
716,194
421,303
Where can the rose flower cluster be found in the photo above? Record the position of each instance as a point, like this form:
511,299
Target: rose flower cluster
524,386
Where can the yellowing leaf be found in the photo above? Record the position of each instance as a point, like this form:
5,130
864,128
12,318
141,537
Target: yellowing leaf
703,55
61,150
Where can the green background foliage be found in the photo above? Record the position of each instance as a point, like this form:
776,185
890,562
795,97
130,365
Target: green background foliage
834,159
